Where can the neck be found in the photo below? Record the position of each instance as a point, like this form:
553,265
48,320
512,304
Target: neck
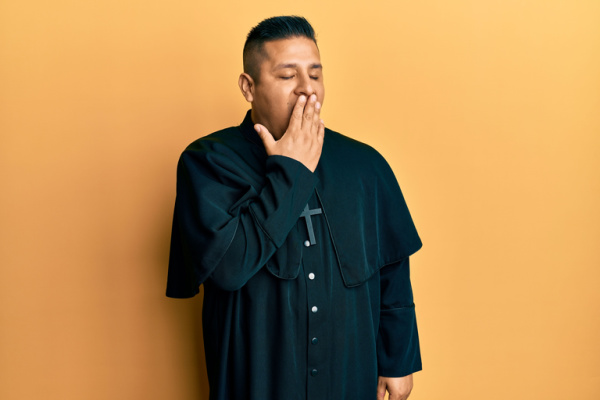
256,119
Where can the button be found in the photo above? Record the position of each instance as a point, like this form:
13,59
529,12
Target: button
311,276
314,340
314,309
314,372
307,243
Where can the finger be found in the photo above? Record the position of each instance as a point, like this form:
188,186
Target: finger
297,112
321,131
381,390
265,136
317,116
309,111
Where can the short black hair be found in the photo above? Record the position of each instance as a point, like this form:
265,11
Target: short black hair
274,28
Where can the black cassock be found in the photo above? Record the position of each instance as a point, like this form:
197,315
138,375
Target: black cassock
307,290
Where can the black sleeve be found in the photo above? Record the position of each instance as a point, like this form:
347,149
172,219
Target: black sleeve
398,351
226,232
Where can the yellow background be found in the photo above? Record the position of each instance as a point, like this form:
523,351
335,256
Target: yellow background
488,111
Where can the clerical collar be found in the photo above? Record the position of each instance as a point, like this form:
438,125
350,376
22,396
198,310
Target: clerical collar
247,128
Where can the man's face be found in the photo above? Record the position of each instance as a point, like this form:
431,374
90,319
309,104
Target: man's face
291,68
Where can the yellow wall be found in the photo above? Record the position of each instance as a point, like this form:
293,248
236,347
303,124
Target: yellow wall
488,111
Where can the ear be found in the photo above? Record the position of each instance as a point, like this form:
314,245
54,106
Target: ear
246,84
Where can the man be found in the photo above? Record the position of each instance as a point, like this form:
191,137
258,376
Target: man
301,238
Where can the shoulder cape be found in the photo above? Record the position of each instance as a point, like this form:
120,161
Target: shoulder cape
219,174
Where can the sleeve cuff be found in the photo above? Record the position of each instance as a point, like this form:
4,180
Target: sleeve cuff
289,186
398,350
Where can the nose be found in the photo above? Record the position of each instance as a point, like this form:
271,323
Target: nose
304,85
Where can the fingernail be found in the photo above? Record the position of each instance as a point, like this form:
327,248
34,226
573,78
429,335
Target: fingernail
257,128
313,97
318,105
302,98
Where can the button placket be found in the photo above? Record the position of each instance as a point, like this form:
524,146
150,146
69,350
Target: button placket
313,268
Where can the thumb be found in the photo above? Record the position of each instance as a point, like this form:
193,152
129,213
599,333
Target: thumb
265,136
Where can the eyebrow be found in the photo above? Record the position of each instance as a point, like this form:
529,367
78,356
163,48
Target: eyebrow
312,66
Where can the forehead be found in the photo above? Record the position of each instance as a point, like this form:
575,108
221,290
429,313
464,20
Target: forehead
297,50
